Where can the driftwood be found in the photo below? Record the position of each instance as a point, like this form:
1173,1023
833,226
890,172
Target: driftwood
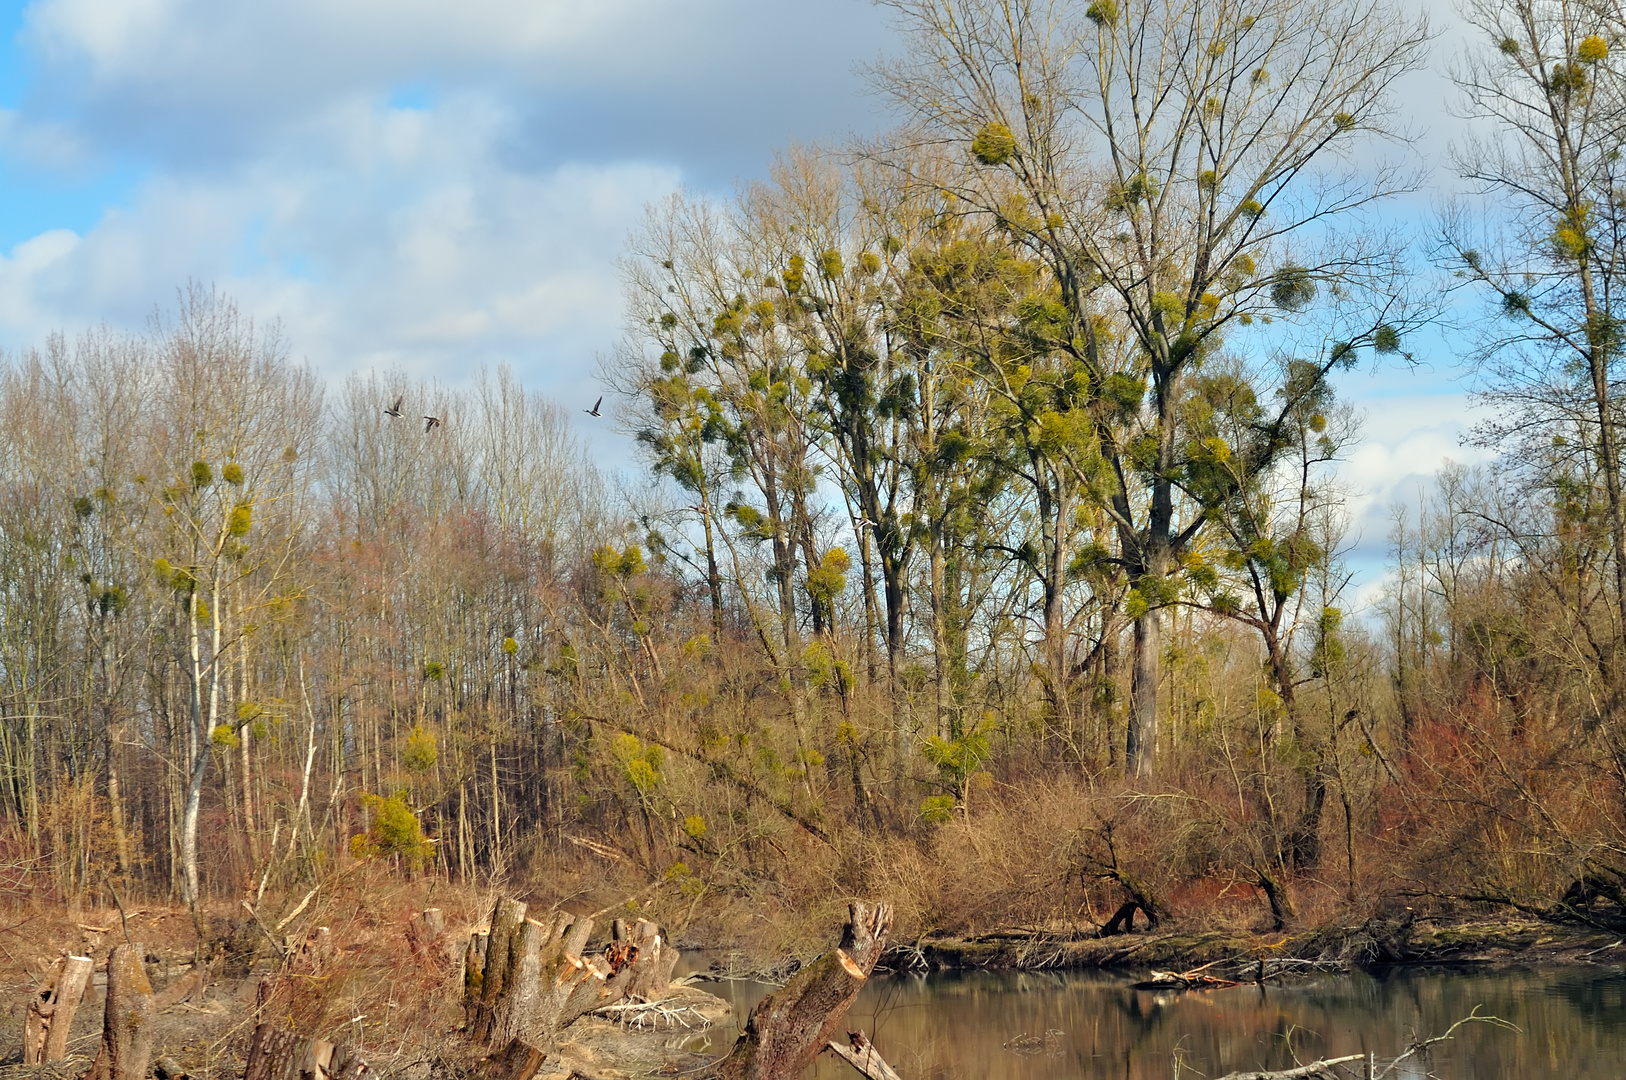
1195,979
790,1026
861,1054
51,1011
127,1025
1345,1068
279,1054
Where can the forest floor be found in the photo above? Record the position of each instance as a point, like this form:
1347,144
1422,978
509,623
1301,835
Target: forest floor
401,1010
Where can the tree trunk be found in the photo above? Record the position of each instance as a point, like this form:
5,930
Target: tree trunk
127,1024
1140,746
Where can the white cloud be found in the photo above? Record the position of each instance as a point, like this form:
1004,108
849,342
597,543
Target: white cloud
378,237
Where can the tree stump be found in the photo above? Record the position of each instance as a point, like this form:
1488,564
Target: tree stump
50,1012
474,967
424,932
506,919
127,1025
789,1027
279,1054
653,963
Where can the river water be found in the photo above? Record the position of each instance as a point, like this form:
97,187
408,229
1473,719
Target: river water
1085,1025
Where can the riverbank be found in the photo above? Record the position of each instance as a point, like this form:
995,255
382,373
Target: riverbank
1376,942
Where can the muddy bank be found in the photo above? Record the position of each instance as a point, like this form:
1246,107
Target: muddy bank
1509,941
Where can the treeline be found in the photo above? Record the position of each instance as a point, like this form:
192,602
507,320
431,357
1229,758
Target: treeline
990,548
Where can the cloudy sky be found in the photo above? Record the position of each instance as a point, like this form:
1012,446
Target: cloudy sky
431,186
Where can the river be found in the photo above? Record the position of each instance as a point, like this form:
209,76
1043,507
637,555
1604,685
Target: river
1087,1025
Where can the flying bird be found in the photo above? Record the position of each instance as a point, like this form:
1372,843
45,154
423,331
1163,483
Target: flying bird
394,411
865,523
594,410
430,423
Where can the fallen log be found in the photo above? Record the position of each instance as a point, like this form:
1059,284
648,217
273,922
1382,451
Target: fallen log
51,1011
792,1025
127,1024
279,1054
861,1054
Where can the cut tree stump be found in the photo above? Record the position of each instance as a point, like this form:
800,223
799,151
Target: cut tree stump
521,1061
425,931
279,1054
527,979
790,1026
653,959
506,919
474,968
50,1012
127,1024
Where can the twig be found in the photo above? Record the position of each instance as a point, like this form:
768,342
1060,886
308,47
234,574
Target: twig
288,918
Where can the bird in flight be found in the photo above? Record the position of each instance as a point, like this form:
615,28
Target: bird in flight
865,523
430,423
394,411
594,410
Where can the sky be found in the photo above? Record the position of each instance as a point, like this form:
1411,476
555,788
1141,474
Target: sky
432,186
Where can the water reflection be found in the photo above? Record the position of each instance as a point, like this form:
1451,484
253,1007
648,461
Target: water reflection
1045,1026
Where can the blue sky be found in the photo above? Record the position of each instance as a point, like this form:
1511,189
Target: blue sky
433,186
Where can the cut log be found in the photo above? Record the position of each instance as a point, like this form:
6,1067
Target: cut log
127,1024
861,1054
279,1054
165,1068
51,1011
506,919
789,1027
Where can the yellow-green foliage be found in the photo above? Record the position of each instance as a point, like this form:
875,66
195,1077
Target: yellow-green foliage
640,762
421,750
395,831
993,144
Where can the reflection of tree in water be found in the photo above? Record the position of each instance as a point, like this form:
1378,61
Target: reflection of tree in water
1082,1026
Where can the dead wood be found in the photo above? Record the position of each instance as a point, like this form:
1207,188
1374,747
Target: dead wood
790,1026
861,1054
51,1011
127,1025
